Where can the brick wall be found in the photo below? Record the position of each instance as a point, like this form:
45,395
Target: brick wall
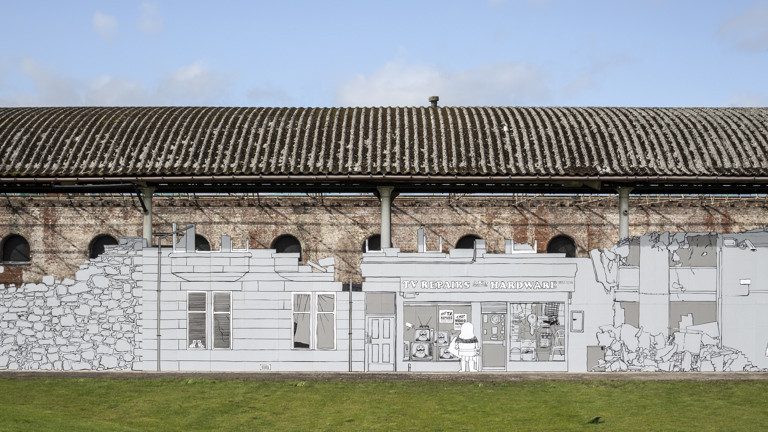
61,229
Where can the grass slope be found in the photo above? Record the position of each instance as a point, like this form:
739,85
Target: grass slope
63,404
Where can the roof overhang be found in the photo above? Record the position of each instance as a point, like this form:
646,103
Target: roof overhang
335,183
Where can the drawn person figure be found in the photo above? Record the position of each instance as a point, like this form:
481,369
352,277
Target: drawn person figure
467,348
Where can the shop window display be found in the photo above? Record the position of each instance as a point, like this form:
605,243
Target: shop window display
537,332
430,328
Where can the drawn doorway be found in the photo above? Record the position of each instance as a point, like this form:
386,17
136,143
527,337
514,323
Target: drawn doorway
380,344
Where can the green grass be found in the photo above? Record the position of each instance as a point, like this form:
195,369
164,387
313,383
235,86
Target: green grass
62,404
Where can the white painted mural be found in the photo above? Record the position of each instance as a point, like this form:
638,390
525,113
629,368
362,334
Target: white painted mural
660,302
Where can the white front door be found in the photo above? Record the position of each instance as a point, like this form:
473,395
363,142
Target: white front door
380,343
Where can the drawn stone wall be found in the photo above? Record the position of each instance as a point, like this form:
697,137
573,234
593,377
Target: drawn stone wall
89,323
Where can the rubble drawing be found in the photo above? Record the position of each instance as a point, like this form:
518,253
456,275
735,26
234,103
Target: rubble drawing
628,348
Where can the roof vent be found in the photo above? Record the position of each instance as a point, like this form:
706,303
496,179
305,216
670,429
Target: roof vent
433,100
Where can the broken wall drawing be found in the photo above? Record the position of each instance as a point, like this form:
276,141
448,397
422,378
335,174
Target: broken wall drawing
684,302
688,302
89,323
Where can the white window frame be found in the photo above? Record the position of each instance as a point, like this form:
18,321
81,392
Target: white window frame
213,319
313,313
207,330
311,321
210,320
333,314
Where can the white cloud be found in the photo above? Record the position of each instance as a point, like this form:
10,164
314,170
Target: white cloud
748,99
588,80
748,31
196,84
112,91
399,83
150,20
52,89
189,85
269,96
105,25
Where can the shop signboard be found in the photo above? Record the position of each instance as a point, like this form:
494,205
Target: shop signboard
487,285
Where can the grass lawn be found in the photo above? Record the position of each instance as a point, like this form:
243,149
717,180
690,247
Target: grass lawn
62,404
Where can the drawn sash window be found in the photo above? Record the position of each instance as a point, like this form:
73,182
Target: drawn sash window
314,322
222,322
326,321
302,320
196,319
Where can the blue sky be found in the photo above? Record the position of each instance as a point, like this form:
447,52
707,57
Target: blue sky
388,53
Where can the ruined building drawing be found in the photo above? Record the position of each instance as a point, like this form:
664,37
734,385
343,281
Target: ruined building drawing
660,302
684,302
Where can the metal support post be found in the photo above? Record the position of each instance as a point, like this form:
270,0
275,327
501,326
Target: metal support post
146,228
624,211
386,227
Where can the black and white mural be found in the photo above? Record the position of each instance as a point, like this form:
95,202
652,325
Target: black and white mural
687,302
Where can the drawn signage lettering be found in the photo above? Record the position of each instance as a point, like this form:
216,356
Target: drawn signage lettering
483,284
458,320
446,316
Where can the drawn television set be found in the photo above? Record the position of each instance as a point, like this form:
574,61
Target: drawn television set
421,351
423,334
443,338
443,354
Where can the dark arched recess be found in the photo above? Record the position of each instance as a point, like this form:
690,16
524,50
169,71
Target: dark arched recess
201,244
98,243
374,243
467,242
287,244
562,244
15,249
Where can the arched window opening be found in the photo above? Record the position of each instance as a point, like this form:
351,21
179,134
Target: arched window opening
467,242
374,243
15,249
97,245
287,244
562,244
201,244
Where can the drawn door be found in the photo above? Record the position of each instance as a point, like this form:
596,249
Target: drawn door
380,343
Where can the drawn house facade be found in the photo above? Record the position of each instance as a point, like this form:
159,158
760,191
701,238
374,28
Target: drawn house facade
243,310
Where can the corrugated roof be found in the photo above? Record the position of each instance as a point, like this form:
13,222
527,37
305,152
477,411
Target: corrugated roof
445,140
